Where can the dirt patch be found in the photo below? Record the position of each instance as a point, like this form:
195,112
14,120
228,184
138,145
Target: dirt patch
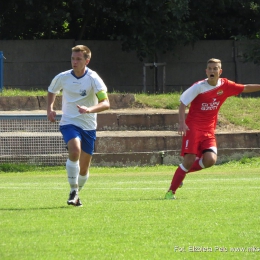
223,125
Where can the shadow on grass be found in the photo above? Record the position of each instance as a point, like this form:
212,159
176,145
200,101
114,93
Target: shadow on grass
39,208
141,199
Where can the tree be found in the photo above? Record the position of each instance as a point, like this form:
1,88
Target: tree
229,19
252,51
148,27
27,19
225,18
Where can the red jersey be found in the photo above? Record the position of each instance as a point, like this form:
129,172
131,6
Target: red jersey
205,101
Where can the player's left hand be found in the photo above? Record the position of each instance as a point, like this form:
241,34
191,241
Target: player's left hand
83,109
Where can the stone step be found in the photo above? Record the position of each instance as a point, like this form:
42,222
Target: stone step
39,103
146,141
124,137
138,119
118,142
111,120
136,141
170,157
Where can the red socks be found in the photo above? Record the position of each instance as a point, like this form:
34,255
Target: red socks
178,177
196,166
181,172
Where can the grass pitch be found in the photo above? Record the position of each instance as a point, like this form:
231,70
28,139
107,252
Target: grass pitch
215,216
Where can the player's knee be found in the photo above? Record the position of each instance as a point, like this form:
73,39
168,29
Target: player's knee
209,161
74,154
188,161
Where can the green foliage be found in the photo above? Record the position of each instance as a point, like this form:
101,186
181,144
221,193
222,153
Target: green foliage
234,17
148,27
125,216
26,19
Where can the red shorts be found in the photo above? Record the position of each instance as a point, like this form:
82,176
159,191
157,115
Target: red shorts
196,141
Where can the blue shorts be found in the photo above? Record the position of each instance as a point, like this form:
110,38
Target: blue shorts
87,137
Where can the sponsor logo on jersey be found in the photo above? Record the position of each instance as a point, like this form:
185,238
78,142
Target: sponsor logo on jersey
83,92
220,92
210,106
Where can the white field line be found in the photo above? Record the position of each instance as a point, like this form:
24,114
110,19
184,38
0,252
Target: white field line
131,188
123,184
229,180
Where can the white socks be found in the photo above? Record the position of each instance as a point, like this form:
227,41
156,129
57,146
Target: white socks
82,180
73,173
75,180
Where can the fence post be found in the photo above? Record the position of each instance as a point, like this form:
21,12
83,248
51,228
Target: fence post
155,65
1,71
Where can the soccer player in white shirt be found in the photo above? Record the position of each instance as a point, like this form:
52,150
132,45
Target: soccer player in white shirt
84,94
199,147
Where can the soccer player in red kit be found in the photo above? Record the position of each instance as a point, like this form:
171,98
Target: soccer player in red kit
199,147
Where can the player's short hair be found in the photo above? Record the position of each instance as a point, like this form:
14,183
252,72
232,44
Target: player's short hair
213,60
86,51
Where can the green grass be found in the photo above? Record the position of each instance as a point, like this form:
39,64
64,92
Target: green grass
166,101
242,111
10,92
125,216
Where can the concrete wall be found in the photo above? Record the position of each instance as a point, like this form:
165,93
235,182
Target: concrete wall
33,64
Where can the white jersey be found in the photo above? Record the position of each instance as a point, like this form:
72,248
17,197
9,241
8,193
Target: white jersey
78,91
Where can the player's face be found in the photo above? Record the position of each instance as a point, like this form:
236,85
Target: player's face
213,72
78,63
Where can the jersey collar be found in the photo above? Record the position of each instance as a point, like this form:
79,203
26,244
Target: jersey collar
72,73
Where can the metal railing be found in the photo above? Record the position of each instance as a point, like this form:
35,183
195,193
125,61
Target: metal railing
1,71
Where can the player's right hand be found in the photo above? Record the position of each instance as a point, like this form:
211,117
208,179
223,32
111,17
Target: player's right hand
51,116
182,129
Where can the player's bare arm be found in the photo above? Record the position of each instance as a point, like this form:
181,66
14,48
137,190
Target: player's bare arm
251,88
182,125
101,106
50,102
